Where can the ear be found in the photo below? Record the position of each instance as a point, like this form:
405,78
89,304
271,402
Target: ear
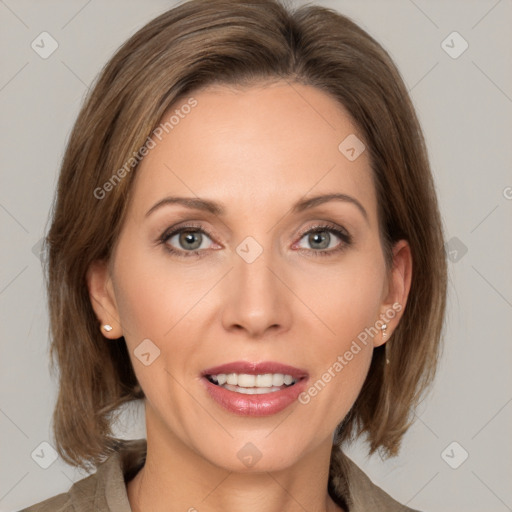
399,284
101,293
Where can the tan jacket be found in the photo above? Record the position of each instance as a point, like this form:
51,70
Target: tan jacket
105,490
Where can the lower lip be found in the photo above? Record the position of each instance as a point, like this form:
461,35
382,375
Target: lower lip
255,405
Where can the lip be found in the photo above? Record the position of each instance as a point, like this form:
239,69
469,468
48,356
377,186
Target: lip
255,405
257,369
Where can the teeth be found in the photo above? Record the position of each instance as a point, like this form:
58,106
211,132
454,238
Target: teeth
243,380
264,381
288,379
277,379
232,378
251,391
246,381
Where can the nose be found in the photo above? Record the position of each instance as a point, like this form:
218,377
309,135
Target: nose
255,298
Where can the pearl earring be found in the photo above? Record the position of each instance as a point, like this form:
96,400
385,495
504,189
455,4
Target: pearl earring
107,327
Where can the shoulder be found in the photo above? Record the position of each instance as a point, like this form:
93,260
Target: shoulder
83,495
59,503
361,493
103,490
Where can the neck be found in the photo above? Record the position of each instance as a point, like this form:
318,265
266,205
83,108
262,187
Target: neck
174,477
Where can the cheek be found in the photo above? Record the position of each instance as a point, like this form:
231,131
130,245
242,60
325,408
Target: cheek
347,297
348,302
149,300
150,303
160,302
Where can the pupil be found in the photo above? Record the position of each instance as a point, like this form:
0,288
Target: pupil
317,238
188,238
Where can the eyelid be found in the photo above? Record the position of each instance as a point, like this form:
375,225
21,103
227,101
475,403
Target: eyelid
326,225
183,227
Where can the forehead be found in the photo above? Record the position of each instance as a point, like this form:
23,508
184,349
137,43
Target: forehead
263,144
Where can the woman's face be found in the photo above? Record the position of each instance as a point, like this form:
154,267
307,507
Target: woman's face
269,276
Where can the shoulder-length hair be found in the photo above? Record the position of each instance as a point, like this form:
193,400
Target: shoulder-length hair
236,42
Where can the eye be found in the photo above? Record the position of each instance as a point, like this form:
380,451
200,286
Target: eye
194,240
322,240
186,240
189,240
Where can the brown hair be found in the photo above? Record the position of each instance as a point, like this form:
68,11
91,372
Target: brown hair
236,42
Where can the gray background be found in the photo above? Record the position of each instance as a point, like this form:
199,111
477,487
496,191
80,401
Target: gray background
465,107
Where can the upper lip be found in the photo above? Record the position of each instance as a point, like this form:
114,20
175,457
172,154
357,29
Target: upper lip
252,368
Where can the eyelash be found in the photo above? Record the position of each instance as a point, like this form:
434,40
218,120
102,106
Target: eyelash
319,228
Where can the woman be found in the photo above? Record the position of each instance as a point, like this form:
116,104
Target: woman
245,235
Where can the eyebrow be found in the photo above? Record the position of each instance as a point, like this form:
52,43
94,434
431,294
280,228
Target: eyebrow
218,210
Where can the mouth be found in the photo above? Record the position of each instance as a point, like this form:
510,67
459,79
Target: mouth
254,389
249,384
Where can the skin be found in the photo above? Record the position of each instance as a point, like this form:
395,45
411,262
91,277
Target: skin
257,151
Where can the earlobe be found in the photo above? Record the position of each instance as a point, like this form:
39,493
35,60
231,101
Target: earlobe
101,294
399,284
